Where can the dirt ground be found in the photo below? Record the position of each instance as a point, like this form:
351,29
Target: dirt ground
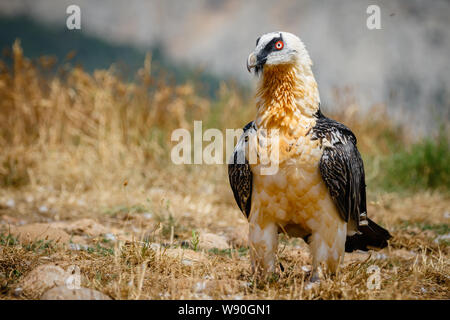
191,243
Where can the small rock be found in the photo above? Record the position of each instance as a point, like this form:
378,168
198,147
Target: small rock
187,262
64,293
155,246
443,237
380,256
306,268
74,246
77,246
110,237
309,286
43,209
44,277
147,215
312,285
200,286
11,203
18,292
210,241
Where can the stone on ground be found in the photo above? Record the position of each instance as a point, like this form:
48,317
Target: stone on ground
64,293
43,278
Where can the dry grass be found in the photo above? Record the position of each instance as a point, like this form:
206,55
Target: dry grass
415,266
77,146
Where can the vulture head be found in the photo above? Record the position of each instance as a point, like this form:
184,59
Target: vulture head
277,48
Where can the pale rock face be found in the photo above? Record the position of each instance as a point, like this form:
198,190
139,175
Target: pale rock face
43,278
64,293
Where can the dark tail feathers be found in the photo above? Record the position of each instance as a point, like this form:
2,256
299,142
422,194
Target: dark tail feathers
372,237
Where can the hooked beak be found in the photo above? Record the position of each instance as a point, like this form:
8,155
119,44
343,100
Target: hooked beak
251,62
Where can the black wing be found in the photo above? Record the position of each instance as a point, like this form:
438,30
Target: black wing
240,174
342,169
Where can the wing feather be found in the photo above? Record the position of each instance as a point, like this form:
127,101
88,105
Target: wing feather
342,169
240,174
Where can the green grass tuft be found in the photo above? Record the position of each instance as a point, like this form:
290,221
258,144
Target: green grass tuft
425,165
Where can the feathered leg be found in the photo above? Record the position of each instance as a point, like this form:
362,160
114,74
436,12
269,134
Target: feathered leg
327,245
263,241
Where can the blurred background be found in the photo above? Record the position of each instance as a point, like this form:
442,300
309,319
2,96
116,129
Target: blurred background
138,69
404,65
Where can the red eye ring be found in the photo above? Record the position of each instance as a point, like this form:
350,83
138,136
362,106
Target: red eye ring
279,45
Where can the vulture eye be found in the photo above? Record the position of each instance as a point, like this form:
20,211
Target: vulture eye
279,45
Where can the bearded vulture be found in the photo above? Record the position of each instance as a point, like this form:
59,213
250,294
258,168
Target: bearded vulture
316,187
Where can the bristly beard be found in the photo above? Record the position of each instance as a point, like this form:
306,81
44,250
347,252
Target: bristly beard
259,67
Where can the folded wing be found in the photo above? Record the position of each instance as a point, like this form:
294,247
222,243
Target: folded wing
342,170
239,172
